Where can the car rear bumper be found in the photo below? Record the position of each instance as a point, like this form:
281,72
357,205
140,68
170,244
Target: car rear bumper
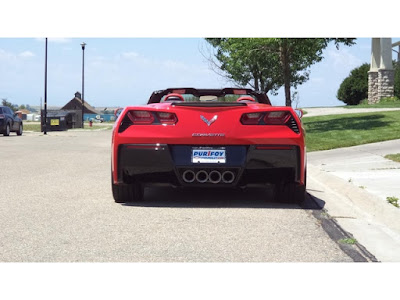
172,164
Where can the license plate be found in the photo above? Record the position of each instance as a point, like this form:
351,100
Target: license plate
209,155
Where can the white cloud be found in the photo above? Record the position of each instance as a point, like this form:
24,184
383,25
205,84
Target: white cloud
174,65
130,55
343,59
6,55
26,54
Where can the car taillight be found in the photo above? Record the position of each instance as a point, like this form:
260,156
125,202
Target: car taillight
251,118
1,116
276,117
167,118
279,117
141,117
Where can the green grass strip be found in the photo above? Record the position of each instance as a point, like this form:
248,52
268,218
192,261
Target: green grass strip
338,131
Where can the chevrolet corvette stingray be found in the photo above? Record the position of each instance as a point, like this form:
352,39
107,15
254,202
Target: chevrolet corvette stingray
187,137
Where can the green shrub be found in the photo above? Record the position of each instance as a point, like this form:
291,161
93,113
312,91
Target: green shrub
354,88
397,80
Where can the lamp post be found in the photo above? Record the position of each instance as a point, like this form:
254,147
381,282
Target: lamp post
45,94
83,81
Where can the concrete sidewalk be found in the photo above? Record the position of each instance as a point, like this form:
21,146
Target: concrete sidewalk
353,184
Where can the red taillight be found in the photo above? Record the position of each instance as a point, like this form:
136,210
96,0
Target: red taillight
1,116
251,118
167,118
276,117
141,117
144,117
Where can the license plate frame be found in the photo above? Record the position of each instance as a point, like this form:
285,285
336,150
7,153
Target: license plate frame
208,155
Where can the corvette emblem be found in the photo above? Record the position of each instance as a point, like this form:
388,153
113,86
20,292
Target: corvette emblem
209,122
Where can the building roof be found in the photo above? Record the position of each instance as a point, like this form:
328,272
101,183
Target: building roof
76,104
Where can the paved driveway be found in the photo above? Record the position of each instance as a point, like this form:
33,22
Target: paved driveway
56,206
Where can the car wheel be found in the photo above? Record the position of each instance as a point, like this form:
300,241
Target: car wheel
7,132
124,193
19,132
290,192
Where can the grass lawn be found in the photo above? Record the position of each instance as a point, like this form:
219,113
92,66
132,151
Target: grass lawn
31,127
337,131
384,103
36,127
394,157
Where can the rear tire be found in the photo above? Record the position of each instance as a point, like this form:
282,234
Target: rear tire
7,132
290,192
124,193
19,132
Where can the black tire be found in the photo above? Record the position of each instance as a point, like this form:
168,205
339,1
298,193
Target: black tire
124,193
20,128
7,132
290,192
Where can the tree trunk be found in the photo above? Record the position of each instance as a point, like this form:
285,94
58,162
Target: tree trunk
286,71
256,84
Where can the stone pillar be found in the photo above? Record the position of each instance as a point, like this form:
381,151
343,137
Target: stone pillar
385,83
381,73
373,87
385,71
373,71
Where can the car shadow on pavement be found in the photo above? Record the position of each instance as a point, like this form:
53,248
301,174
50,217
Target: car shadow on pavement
219,198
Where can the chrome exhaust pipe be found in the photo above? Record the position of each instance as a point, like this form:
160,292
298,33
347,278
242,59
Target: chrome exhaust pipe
228,177
202,176
188,176
214,176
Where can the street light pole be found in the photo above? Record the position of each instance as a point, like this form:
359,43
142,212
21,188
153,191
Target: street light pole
45,93
83,81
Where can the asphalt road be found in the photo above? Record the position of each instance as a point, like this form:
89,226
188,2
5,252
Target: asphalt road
56,206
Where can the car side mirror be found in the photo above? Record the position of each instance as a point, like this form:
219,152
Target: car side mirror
299,113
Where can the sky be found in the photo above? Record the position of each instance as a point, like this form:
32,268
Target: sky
125,71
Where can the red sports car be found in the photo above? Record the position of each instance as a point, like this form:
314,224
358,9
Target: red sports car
188,137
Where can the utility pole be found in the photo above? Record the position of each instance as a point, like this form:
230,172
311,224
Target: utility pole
45,93
83,81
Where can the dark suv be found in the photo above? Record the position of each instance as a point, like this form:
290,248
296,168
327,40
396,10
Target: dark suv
9,121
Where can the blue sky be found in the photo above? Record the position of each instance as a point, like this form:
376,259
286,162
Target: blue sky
124,71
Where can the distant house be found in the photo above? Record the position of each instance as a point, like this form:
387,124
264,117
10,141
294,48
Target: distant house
76,104
22,113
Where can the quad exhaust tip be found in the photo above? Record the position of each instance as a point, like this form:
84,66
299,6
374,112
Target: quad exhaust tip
202,176
188,176
214,176
228,177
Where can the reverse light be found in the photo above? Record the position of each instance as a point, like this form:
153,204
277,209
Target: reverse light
251,118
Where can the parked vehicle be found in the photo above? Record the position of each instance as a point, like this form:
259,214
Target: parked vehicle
208,138
9,121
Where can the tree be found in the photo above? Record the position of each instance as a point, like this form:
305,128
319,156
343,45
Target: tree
240,61
354,88
277,61
397,79
4,102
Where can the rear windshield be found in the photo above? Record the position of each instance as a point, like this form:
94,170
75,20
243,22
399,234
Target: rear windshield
206,98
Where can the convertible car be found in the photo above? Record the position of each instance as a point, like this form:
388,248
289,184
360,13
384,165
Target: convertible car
186,137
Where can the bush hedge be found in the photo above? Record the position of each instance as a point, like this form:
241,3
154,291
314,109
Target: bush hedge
354,88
